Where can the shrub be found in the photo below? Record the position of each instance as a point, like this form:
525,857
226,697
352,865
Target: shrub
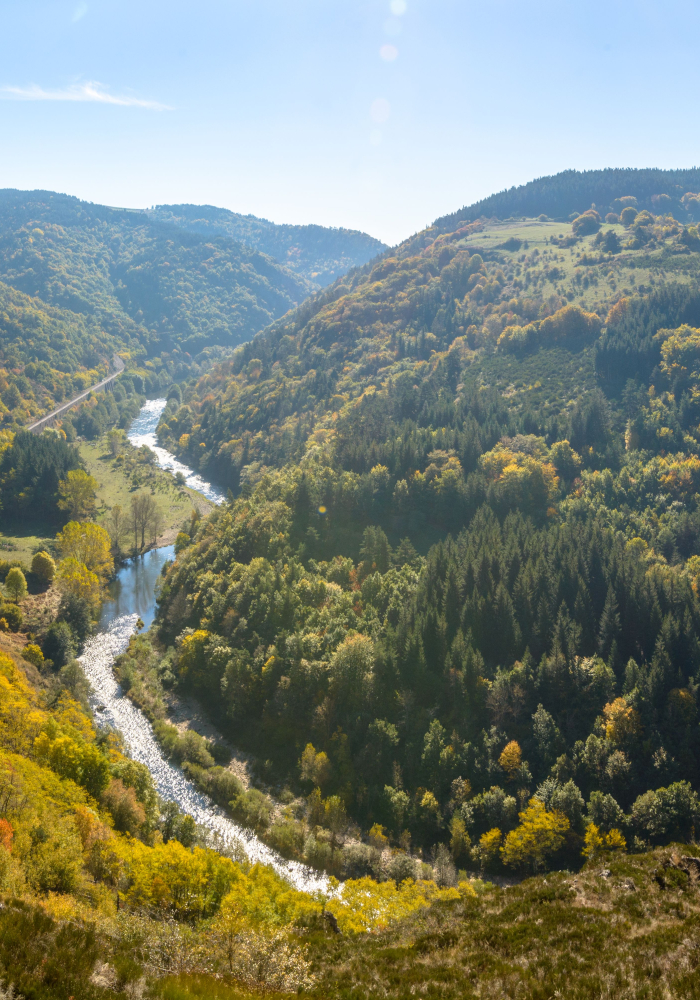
56,859
12,615
33,654
628,215
59,645
127,812
252,809
43,567
586,224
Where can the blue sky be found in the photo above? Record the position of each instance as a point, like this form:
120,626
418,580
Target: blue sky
371,114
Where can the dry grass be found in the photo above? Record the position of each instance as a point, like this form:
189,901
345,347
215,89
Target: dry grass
569,936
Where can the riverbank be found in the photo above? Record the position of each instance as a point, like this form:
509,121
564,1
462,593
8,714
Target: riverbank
119,478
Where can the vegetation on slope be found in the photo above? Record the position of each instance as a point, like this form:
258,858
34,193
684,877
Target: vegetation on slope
523,398
574,191
317,253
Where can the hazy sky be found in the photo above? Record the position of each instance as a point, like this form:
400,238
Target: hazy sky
371,114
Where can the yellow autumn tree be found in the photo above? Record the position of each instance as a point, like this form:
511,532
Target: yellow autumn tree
596,841
490,846
75,578
539,835
77,493
511,758
88,544
621,722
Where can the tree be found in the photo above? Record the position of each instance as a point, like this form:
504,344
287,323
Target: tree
44,567
490,847
335,817
116,439
539,835
77,492
75,578
143,510
667,813
460,841
16,584
314,767
604,812
117,526
595,841
511,758
88,544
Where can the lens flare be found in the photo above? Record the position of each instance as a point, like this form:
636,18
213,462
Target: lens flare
380,111
322,509
398,7
388,52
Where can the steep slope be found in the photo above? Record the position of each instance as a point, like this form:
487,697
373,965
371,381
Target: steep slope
48,354
169,288
316,253
519,403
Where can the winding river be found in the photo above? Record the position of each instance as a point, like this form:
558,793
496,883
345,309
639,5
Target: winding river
133,597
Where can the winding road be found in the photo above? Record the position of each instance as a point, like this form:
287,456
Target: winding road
45,421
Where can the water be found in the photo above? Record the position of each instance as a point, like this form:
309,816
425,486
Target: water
143,431
133,597
133,590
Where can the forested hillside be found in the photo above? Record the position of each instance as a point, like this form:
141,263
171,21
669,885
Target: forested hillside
317,253
81,282
461,566
574,191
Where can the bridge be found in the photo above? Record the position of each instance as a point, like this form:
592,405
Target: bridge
39,425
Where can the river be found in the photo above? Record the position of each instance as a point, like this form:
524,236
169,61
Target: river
143,431
133,597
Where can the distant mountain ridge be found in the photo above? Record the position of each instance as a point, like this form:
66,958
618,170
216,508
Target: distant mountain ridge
559,195
318,253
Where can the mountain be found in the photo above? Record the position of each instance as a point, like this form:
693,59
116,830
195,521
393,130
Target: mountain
574,191
125,281
316,253
461,566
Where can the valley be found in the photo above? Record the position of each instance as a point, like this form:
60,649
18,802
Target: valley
434,575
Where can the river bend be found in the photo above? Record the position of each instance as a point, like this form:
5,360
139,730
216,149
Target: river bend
133,597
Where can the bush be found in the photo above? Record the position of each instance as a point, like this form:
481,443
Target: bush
33,654
127,812
287,837
628,215
59,644
12,615
252,809
586,224
76,611
43,567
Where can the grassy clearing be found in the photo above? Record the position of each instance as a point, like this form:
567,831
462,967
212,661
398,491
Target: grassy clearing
622,273
117,482
119,479
21,548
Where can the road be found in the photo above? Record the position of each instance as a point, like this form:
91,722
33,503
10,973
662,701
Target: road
40,424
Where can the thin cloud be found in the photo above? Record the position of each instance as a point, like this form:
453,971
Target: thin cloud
80,11
91,92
